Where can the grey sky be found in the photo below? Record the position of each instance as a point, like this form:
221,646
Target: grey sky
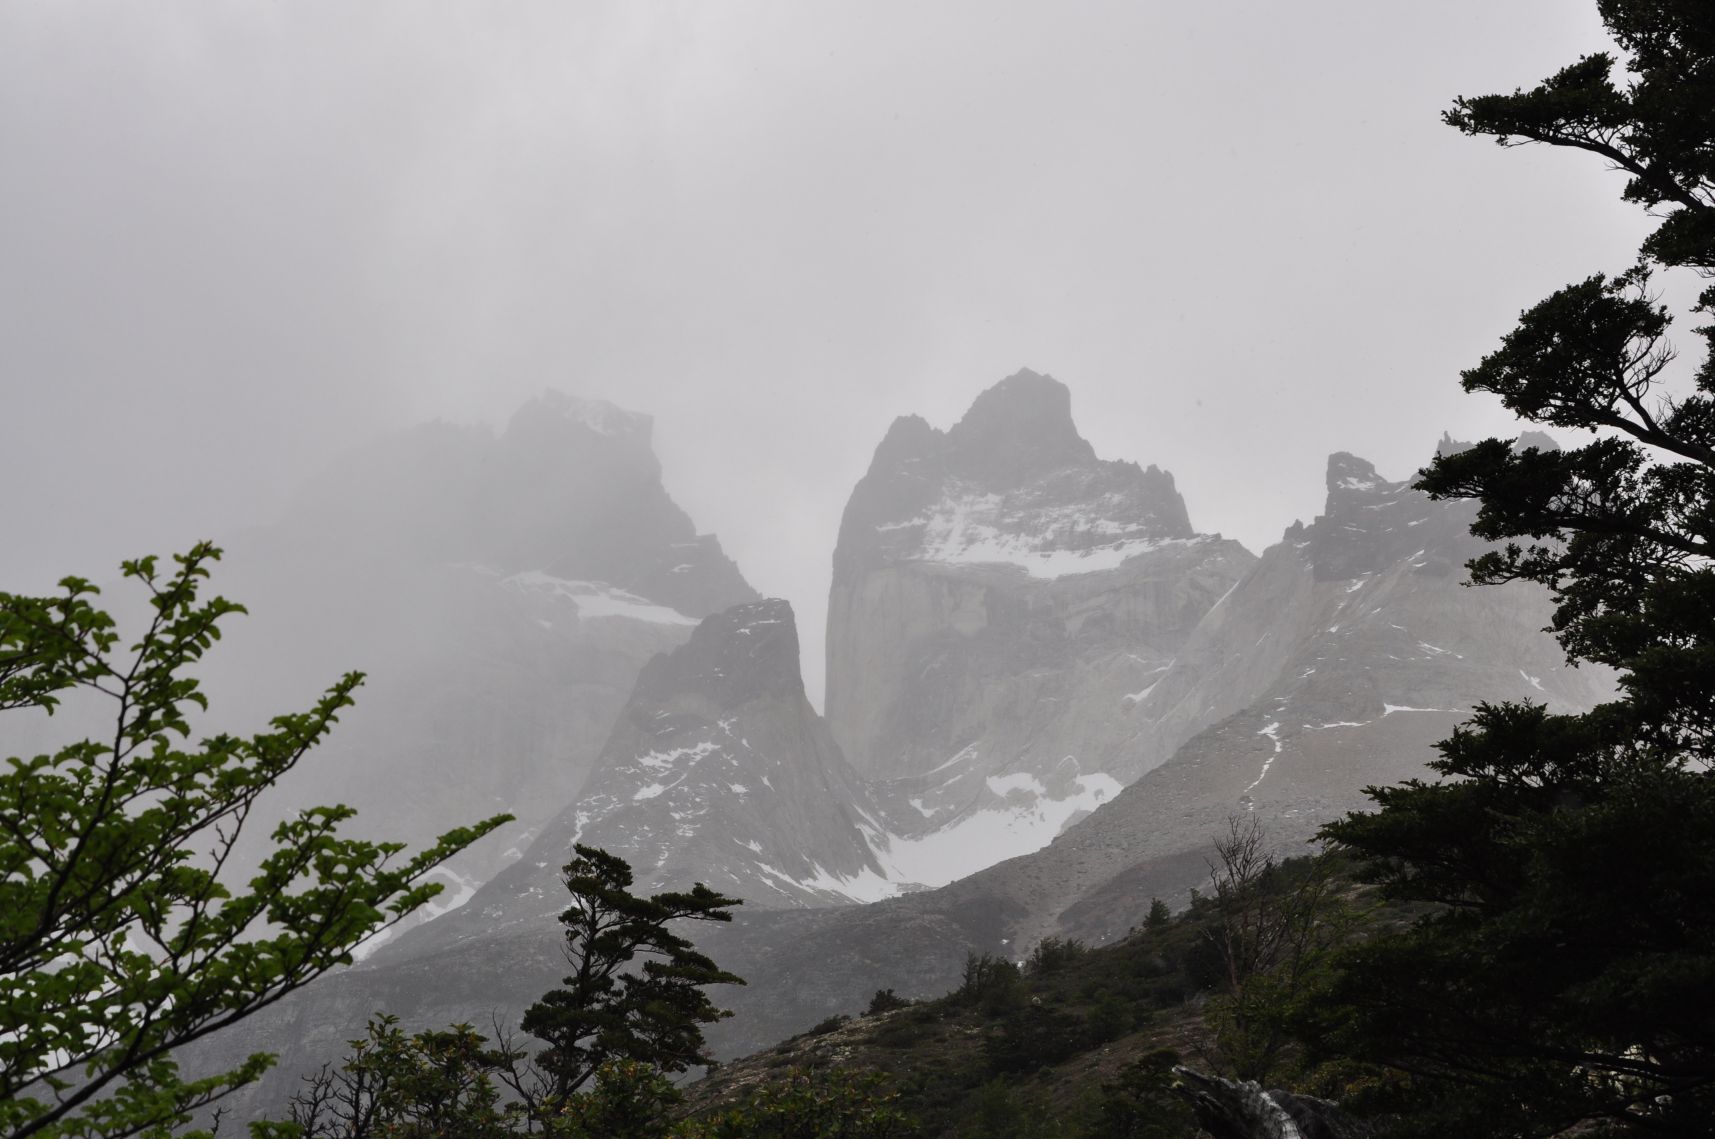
235,238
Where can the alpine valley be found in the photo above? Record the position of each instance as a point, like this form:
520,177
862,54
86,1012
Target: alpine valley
1047,693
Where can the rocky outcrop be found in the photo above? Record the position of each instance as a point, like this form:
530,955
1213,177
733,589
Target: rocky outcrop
1243,1109
1002,599
717,771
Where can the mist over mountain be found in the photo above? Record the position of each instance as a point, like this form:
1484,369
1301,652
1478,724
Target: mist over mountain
501,590
1047,695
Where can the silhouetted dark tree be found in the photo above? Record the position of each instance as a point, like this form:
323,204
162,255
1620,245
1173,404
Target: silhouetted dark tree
1565,972
636,990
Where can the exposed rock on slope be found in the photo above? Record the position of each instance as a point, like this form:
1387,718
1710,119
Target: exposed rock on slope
1002,601
720,771
717,771
1341,658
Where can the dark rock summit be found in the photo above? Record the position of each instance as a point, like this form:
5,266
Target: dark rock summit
1013,468
1370,522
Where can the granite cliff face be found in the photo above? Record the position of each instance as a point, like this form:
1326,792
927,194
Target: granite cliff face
1001,599
501,591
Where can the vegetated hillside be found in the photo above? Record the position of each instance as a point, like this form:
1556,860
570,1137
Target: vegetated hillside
1073,1042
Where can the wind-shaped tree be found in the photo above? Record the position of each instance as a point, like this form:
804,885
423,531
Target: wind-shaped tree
636,990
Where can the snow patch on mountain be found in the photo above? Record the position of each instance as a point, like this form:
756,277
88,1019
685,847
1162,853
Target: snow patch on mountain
1046,541
663,760
1272,731
864,886
598,415
595,599
456,890
1027,819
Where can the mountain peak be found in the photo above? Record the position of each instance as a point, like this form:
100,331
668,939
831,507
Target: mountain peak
1019,428
597,415
909,439
1347,472
1540,440
742,653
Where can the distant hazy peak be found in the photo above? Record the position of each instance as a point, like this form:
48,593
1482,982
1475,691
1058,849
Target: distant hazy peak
571,489
1011,483
598,415
1540,440
1449,445
909,438
1526,440
1019,428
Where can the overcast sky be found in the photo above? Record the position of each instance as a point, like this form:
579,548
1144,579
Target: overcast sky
238,237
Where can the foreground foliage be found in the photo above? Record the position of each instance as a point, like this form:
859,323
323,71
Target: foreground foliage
452,1083
1566,973
430,1083
122,934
